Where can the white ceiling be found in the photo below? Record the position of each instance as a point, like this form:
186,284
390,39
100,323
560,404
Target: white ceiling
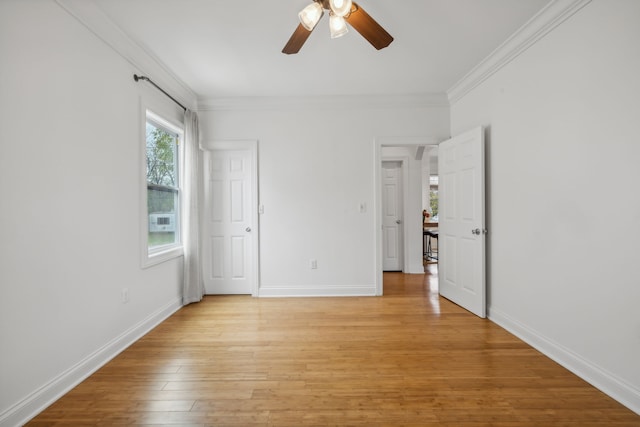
233,48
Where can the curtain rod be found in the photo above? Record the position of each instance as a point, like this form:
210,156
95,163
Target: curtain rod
137,77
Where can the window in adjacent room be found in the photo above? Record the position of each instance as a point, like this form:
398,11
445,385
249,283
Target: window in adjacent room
433,197
162,141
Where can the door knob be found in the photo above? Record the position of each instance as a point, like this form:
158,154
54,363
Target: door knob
248,229
476,231
398,221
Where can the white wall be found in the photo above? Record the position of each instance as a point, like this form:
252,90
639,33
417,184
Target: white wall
563,200
316,165
69,224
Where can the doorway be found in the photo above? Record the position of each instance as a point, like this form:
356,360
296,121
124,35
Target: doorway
462,228
430,181
408,151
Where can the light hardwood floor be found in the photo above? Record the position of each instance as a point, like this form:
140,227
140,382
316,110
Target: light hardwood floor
408,358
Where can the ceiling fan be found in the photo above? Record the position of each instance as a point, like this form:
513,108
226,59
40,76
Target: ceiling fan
341,12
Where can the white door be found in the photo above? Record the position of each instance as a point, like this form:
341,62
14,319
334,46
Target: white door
229,224
461,224
392,231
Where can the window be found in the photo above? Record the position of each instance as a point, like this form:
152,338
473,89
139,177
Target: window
433,197
162,142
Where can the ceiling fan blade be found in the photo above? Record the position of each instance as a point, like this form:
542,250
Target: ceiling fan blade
368,28
299,36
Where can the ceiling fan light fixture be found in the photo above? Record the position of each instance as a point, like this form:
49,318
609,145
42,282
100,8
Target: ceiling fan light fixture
340,7
310,15
341,13
337,25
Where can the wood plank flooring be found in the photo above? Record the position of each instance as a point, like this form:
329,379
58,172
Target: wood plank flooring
409,358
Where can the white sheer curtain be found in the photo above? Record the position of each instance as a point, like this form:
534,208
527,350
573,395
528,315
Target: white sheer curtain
193,286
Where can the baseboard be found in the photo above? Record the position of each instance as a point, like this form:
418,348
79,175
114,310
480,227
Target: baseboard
317,291
40,399
608,383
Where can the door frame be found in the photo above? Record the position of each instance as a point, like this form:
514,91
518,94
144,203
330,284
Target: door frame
390,141
252,146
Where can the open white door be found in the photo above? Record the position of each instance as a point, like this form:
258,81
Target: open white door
461,241
230,224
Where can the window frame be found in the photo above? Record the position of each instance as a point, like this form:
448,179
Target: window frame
160,254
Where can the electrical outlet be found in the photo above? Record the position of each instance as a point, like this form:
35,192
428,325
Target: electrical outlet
313,264
125,295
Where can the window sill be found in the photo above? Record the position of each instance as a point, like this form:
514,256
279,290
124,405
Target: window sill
161,256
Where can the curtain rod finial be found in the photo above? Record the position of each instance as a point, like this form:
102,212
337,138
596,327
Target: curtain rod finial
137,78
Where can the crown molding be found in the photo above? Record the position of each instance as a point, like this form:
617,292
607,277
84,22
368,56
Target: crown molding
427,100
93,18
89,14
552,15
